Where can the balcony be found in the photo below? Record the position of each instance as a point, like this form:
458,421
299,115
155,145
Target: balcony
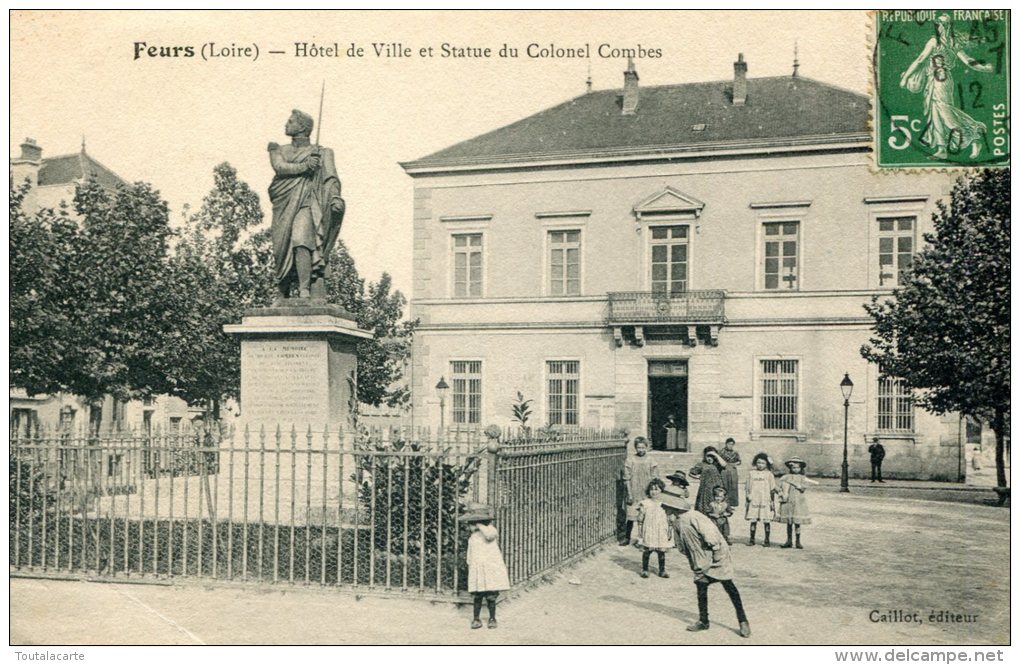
690,311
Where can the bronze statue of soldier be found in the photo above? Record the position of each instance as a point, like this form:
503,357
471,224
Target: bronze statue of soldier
307,211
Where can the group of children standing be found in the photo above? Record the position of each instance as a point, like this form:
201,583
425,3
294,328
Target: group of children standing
766,500
659,518
663,515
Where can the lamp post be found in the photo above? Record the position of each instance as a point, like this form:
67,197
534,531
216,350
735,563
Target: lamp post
442,388
847,387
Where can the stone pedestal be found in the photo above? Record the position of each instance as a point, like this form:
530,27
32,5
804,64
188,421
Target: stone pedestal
298,376
298,366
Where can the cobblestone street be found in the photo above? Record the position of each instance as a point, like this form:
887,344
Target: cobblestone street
867,558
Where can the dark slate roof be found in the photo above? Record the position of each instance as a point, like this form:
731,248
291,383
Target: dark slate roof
66,169
777,109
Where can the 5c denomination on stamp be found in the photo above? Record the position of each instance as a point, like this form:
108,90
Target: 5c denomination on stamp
941,92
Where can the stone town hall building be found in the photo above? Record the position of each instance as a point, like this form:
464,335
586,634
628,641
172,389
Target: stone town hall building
700,250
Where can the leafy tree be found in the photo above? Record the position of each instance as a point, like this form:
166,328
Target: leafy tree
90,308
39,322
100,305
220,269
946,331
377,308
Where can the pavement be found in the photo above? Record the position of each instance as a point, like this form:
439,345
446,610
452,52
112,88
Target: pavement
929,490
871,561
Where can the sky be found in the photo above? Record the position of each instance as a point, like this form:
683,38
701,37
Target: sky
170,120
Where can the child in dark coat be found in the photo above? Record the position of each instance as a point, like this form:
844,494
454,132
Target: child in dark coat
720,511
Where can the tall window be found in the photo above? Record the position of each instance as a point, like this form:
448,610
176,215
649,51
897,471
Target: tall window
67,419
669,259
24,422
895,248
895,406
564,263
779,394
467,391
780,255
564,380
467,265
119,413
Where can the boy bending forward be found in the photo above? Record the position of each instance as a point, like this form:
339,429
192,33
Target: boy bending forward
697,537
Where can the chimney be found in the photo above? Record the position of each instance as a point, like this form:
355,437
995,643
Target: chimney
30,152
26,167
739,81
630,89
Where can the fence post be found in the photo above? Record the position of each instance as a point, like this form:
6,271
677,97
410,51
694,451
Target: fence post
492,433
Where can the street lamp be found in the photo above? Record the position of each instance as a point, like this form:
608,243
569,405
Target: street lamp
847,387
442,388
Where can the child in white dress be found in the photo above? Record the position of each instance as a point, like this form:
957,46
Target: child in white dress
654,532
760,496
487,573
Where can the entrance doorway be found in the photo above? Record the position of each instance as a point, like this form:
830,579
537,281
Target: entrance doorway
667,397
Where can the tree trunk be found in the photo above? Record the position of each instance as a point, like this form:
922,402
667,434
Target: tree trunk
1000,461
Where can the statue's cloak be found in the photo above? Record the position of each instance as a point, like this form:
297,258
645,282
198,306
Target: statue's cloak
293,188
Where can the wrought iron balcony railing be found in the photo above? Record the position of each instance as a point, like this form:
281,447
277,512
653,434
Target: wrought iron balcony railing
644,307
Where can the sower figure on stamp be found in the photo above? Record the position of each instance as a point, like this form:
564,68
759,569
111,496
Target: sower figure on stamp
307,210
948,128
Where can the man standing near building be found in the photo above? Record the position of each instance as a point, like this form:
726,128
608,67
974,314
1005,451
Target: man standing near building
877,455
307,209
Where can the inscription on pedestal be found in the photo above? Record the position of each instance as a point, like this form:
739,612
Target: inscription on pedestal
285,382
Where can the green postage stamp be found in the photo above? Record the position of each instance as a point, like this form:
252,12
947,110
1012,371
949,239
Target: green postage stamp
941,88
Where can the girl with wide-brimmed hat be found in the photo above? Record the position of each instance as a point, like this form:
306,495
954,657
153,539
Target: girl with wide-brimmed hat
487,573
793,508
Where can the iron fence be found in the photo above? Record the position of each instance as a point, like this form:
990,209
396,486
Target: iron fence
556,498
370,509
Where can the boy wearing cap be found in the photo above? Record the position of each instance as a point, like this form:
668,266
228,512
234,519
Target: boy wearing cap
699,539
